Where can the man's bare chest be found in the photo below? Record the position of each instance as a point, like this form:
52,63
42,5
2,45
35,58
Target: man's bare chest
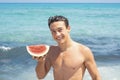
68,60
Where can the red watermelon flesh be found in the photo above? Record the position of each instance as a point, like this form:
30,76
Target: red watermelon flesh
37,50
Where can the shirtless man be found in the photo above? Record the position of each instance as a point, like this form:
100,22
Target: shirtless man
69,59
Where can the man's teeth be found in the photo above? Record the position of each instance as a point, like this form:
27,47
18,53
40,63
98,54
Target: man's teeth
58,38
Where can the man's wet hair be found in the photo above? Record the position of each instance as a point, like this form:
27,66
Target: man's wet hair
58,18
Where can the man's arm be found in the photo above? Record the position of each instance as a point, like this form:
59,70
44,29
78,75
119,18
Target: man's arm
91,65
43,66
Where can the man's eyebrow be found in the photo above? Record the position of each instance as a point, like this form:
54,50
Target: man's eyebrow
53,29
57,28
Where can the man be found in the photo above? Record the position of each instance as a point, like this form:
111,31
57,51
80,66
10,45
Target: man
69,59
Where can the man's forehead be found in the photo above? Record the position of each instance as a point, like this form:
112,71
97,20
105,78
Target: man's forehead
56,28
57,25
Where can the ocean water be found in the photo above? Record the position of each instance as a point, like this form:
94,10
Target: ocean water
94,25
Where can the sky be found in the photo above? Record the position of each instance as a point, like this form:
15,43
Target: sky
59,1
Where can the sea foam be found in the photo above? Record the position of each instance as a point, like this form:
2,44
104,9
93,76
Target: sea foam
5,48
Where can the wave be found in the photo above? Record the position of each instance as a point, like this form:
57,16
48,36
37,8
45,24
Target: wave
102,45
17,59
13,56
4,48
105,49
19,54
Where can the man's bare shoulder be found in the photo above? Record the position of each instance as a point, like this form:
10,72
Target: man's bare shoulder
86,51
53,50
83,47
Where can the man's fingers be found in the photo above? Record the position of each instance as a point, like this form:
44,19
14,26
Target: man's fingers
41,58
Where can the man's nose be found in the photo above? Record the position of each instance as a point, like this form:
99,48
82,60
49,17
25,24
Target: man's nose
57,33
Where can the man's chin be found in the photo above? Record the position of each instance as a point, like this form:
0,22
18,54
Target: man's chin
60,42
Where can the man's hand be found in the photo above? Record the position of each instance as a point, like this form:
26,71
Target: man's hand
41,58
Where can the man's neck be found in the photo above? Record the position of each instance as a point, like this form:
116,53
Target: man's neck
66,45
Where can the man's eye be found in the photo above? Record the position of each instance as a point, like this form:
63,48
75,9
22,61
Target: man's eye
59,30
53,31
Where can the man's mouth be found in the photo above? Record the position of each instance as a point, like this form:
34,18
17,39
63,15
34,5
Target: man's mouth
59,38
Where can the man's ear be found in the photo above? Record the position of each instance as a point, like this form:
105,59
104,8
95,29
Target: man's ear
68,28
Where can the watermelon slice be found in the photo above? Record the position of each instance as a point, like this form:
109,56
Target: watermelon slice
37,50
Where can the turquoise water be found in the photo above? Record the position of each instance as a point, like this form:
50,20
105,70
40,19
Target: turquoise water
19,22
95,25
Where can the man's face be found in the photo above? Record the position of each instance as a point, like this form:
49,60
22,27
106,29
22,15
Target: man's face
59,31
